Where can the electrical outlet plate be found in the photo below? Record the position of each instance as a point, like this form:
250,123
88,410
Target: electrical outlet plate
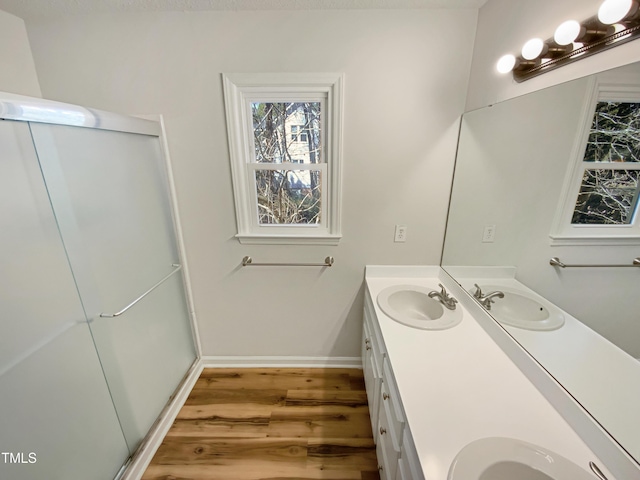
401,234
489,234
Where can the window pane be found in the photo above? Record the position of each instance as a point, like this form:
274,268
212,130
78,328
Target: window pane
607,197
282,131
288,196
615,133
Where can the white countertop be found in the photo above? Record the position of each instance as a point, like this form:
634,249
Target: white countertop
595,370
458,386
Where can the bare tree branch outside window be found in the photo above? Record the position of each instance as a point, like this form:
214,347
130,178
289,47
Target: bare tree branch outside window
609,196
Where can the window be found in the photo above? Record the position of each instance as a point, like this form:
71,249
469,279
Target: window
284,140
298,133
600,205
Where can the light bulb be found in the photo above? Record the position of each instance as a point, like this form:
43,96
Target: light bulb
532,49
612,11
567,32
506,63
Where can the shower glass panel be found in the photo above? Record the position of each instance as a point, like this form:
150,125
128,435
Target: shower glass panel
109,192
57,419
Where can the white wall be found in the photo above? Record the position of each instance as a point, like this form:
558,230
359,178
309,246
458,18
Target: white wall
505,25
17,70
406,78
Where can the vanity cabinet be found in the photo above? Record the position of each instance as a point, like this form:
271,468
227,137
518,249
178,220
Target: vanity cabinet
397,458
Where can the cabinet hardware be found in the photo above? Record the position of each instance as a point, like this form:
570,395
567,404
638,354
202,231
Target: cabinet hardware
383,431
385,395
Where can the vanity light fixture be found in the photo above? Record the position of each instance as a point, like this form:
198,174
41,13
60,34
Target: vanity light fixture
614,11
506,63
533,49
617,22
568,32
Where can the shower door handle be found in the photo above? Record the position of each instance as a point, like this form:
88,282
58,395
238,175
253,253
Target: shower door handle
117,314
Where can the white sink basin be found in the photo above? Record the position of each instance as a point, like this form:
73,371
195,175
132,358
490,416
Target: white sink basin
499,458
520,309
411,306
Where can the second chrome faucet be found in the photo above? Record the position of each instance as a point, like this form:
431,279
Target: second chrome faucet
488,299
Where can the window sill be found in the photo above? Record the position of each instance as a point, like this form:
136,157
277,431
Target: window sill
247,239
557,240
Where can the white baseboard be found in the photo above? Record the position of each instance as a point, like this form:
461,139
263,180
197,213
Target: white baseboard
280,362
154,438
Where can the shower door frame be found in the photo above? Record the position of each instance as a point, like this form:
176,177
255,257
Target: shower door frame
36,110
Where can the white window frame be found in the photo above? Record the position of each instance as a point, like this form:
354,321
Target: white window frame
563,232
240,89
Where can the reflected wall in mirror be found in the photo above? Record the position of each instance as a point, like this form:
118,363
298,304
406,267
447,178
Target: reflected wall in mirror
514,160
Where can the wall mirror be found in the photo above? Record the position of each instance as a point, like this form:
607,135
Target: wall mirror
514,166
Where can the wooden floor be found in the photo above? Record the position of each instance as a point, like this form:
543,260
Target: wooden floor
270,424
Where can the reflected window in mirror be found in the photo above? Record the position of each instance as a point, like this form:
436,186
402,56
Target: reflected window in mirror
609,195
602,188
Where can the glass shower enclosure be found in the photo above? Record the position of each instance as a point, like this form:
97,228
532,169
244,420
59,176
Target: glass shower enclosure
95,334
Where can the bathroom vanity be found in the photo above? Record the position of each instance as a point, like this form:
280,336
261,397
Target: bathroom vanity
433,392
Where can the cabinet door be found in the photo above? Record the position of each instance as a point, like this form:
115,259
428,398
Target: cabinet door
57,419
110,194
387,448
391,401
372,375
409,467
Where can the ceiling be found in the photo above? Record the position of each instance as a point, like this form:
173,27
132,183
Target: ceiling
40,8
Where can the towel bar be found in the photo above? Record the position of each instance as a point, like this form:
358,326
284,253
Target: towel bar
555,261
248,262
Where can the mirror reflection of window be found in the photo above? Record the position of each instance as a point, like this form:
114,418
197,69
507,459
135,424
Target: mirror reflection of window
609,195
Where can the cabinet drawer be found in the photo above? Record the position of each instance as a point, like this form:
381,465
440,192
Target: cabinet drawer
365,347
374,340
409,467
402,472
391,402
374,329
372,386
382,462
387,450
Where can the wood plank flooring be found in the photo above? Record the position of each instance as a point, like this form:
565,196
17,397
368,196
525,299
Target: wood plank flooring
270,424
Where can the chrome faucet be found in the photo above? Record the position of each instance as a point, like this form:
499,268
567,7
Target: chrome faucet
444,298
488,299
